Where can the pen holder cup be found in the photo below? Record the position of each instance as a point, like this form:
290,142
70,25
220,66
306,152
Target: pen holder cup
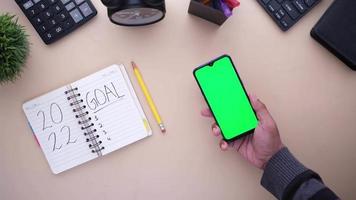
206,12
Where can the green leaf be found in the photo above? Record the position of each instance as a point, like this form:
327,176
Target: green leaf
14,48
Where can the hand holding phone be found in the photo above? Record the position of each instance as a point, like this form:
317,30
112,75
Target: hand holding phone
235,115
260,146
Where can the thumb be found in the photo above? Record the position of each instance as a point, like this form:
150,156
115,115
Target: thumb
260,108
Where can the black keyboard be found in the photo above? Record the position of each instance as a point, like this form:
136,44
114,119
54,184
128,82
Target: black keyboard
287,12
54,19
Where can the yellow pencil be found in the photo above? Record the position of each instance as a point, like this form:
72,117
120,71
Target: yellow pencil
148,97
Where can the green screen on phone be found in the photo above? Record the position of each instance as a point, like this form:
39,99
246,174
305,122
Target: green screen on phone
226,97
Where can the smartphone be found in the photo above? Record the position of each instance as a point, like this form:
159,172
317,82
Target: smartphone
227,98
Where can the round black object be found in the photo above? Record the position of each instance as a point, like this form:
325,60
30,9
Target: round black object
135,12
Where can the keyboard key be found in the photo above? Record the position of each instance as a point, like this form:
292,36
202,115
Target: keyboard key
300,5
64,2
57,8
291,10
273,6
281,12
86,10
79,1
286,13
61,17
70,6
286,21
278,16
27,5
309,2
75,14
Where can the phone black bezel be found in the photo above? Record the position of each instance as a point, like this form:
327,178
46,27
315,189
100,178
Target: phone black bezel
210,64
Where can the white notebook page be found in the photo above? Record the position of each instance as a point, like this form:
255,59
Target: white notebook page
112,105
114,108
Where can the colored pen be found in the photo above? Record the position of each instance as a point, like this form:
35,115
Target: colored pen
221,5
148,97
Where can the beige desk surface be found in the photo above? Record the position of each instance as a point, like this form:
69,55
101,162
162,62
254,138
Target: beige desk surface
310,93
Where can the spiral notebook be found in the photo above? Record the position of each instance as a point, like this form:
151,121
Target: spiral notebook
87,119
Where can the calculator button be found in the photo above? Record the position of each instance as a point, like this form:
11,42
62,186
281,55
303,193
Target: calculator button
50,23
286,21
265,1
57,30
48,14
61,16
52,1
291,10
77,17
273,6
68,24
42,5
309,2
43,28
70,6
38,20
48,36
36,1
33,11
86,10
64,2
79,1
299,5
57,8
27,4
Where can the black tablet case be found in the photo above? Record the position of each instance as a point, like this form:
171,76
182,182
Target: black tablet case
336,31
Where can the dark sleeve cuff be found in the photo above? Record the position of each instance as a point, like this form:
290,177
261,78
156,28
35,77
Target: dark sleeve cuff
325,194
284,174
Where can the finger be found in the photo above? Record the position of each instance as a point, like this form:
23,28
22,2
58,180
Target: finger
231,144
216,130
256,103
262,112
206,112
253,98
237,144
224,145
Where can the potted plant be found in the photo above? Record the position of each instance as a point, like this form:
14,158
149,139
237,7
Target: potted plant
14,48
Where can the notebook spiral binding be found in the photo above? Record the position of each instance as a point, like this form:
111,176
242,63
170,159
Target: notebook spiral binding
73,96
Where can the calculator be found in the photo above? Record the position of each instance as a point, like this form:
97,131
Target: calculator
54,19
287,12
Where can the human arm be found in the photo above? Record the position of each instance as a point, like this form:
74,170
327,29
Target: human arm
284,176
